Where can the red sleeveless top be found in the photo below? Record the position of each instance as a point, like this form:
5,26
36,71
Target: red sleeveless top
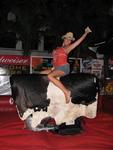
59,57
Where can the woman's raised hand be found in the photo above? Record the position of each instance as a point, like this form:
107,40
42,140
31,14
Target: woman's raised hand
88,30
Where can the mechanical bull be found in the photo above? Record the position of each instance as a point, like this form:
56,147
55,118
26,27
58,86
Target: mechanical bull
39,101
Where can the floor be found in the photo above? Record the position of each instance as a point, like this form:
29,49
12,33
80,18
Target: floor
97,134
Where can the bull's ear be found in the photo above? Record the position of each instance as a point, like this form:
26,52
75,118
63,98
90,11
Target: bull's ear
11,101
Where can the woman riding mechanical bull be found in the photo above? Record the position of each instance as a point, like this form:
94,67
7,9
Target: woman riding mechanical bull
56,94
60,65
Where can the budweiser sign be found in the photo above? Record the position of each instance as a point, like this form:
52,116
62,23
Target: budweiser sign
14,60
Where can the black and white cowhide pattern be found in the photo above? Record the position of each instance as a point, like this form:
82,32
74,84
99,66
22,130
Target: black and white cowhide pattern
36,98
